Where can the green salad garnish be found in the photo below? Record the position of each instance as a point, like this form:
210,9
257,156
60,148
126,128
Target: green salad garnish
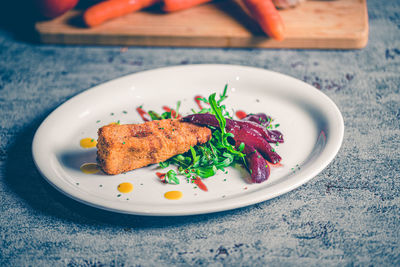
204,160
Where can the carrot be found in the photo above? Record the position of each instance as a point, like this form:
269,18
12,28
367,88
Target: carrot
267,16
106,10
176,5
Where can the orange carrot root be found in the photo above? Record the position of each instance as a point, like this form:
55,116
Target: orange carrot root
267,16
176,5
106,10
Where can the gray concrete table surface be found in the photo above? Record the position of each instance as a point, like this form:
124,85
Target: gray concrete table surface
348,215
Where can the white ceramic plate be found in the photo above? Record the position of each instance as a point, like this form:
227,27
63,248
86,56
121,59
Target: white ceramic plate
311,123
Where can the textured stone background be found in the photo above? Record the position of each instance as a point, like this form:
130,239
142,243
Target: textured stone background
348,215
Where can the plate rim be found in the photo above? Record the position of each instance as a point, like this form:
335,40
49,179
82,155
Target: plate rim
221,207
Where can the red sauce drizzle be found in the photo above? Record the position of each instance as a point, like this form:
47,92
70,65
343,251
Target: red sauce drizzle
200,184
276,165
143,114
198,102
240,114
161,175
173,112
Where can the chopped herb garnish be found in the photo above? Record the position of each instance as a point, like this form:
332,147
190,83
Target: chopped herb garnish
241,147
124,111
112,114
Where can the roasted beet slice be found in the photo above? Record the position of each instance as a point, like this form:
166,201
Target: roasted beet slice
269,137
263,120
251,137
210,120
259,118
258,167
275,136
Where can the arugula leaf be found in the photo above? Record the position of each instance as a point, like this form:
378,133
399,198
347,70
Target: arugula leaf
223,96
178,105
205,172
217,112
164,164
171,178
154,115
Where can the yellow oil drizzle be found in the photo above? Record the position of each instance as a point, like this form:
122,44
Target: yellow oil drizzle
125,187
90,168
173,195
88,142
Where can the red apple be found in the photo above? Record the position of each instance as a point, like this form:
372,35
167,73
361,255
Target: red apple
55,8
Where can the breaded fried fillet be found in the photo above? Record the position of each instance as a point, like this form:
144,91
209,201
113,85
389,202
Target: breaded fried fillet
121,148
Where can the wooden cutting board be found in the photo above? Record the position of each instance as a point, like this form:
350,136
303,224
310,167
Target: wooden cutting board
320,24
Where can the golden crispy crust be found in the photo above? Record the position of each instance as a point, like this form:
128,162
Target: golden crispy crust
121,148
